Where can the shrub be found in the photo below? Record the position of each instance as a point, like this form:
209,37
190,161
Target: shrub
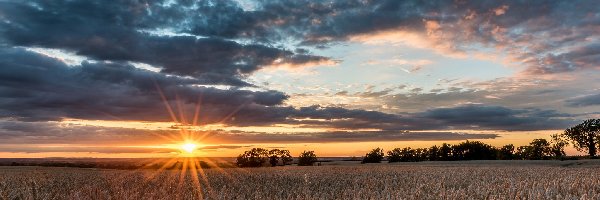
375,156
307,158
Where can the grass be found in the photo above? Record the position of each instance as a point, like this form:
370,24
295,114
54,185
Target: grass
426,180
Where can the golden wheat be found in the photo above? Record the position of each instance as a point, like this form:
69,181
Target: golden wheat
383,181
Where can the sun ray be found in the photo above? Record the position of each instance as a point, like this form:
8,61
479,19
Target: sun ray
166,102
194,172
189,167
197,111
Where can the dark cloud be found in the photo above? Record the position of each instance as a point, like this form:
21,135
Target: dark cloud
535,32
37,87
104,149
83,149
588,100
342,136
116,33
469,116
20,133
499,118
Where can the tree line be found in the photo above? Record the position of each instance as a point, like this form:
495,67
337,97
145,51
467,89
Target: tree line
258,157
538,149
584,137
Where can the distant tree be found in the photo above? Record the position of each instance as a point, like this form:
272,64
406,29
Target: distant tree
433,153
256,157
307,158
522,152
421,154
538,149
274,157
506,152
406,155
585,136
286,157
474,150
395,155
558,144
375,156
445,152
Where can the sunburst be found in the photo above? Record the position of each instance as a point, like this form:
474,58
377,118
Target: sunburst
189,145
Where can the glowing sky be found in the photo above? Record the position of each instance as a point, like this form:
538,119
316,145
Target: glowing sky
139,78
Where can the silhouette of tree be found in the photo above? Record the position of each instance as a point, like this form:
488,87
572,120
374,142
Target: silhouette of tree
307,158
395,155
375,156
522,152
256,157
286,157
473,150
401,155
421,154
445,152
558,145
433,153
506,152
274,157
538,149
585,136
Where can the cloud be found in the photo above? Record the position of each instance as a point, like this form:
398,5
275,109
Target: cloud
583,101
474,116
342,136
548,37
199,45
222,38
85,138
113,33
83,149
37,87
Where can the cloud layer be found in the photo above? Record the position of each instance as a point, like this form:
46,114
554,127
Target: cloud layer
205,50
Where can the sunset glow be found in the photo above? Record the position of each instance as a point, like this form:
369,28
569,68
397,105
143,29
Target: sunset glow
188,147
216,78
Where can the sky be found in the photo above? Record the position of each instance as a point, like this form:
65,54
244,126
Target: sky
141,78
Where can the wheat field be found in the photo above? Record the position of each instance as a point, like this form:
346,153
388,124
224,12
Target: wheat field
377,181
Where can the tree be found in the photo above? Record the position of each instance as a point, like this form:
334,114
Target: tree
585,136
375,156
277,155
506,152
558,145
473,150
286,157
445,152
538,149
256,157
274,157
522,152
434,153
406,154
395,155
421,154
307,158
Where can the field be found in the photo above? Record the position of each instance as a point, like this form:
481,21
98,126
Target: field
336,180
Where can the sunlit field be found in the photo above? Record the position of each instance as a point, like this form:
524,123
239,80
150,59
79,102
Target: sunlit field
338,180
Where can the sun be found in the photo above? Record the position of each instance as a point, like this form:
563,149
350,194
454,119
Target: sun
189,147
